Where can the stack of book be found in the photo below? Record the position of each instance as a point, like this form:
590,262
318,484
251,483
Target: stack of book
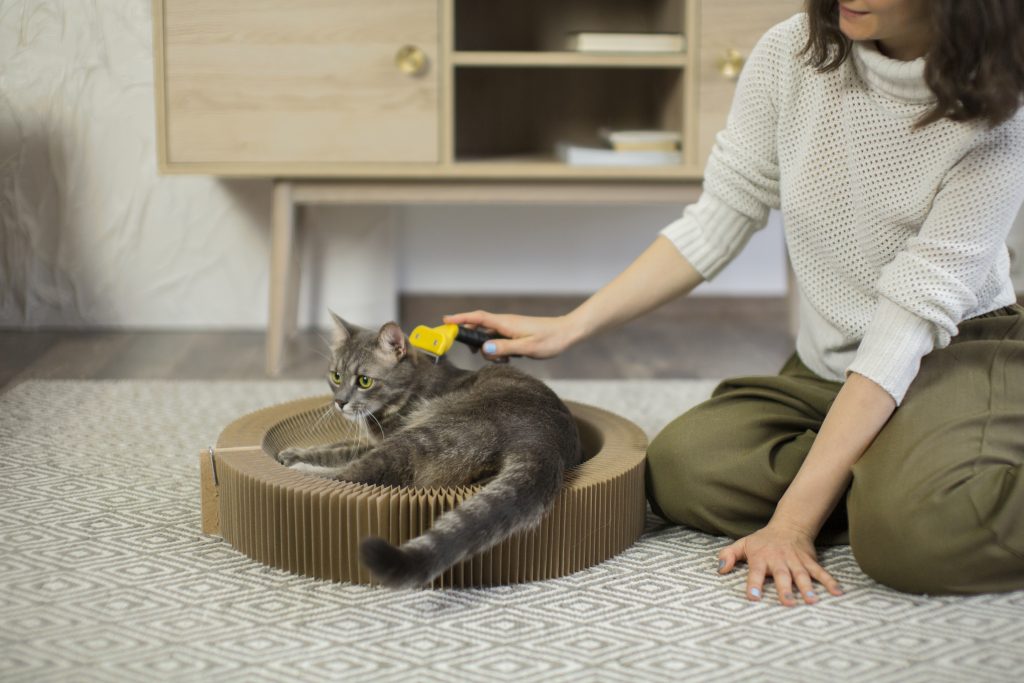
625,148
594,41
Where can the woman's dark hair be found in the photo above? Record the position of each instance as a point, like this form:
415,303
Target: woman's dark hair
975,65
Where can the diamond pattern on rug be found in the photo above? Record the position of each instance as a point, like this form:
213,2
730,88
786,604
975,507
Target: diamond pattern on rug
105,576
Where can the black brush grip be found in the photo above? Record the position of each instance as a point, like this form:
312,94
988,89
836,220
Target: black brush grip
475,337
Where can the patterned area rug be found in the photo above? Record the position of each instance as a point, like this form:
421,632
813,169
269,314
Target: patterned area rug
105,576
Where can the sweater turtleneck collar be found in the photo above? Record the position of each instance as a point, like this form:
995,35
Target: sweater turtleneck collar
894,78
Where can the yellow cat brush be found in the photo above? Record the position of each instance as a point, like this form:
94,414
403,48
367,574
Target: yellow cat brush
436,341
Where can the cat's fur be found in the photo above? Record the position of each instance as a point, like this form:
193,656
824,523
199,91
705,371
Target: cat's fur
436,425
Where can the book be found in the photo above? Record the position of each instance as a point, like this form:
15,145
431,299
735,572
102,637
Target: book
593,41
642,140
580,155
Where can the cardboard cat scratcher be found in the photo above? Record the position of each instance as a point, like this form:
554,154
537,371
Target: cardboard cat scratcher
312,526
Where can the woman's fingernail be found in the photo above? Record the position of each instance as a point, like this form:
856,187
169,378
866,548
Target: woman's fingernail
756,592
789,596
809,594
721,563
490,347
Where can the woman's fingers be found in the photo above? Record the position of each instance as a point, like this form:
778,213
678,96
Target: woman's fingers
524,343
479,319
825,579
501,349
805,586
729,556
755,579
470,317
783,584
791,573
495,349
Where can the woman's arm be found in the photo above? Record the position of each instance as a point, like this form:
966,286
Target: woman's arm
784,549
658,275
933,282
741,185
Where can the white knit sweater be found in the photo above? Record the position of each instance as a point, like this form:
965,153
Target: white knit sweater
895,235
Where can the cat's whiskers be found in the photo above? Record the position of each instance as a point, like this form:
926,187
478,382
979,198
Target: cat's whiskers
363,429
327,411
369,432
371,416
366,426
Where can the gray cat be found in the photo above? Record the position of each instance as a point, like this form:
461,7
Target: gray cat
441,426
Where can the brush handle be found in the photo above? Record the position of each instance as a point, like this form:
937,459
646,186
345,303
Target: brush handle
475,337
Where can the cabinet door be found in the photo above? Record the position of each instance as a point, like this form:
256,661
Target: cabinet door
297,81
728,25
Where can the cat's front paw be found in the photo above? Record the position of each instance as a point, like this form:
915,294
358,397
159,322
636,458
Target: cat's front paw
292,456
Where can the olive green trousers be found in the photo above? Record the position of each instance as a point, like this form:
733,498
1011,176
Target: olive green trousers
936,503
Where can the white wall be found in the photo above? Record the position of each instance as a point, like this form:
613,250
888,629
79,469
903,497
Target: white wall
561,249
495,250
90,235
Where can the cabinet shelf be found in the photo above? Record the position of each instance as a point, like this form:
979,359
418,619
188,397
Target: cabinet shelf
537,166
543,25
506,113
570,59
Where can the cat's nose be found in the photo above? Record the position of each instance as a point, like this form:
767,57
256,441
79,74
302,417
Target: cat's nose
341,404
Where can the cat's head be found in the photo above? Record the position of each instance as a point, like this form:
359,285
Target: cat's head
370,372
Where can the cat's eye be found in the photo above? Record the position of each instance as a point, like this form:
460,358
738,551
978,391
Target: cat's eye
335,377
364,382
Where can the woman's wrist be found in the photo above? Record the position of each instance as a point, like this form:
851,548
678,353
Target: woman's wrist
575,326
793,524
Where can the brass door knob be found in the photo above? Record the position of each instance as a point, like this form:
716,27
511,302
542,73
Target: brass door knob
411,60
731,65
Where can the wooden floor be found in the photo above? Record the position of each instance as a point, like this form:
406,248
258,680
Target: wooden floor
691,338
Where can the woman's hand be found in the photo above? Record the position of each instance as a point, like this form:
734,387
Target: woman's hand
658,275
784,549
787,555
532,336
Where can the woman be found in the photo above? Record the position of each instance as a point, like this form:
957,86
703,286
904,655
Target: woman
890,134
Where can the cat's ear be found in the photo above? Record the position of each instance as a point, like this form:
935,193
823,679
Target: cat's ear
392,342
342,331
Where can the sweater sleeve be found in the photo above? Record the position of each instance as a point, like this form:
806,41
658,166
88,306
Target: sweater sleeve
932,283
741,179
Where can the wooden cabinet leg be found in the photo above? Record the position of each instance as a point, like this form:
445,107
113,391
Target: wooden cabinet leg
291,297
282,276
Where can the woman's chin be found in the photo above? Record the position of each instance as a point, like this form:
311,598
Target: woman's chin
855,32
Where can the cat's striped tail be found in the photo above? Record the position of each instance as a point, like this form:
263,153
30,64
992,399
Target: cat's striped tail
515,500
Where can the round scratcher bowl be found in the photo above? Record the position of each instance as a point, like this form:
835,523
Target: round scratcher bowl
313,526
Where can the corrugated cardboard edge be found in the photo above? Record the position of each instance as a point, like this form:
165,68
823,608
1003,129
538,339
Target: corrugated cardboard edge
313,526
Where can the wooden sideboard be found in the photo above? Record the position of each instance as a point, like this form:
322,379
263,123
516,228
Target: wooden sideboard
453,101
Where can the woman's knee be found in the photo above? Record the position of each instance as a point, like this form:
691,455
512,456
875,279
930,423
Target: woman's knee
723,465
680,460
896,550
912,555
703,471
934,543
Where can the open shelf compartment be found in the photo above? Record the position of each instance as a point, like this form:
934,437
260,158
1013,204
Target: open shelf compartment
520,114
542,25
